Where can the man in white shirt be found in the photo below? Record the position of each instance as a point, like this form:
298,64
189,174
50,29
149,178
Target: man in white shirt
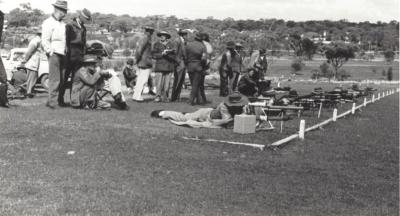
53,42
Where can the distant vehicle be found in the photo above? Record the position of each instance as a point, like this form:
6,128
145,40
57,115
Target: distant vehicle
13,61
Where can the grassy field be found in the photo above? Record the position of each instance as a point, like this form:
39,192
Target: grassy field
77,162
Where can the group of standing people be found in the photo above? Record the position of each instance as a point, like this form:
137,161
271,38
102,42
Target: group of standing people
65,46
169,59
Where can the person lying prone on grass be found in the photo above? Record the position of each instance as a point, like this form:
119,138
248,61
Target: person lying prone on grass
217,117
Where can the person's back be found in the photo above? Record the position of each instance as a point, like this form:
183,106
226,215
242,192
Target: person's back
195,51
143,53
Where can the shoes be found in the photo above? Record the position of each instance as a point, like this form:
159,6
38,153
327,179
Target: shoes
152,93
138,99
102,105
157,99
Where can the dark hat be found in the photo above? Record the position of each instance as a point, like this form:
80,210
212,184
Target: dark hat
198,36
206,37
90,59
148,29
166,34
61,4
85,14
156,114
130,61
262,51
182,32
230,45
235,99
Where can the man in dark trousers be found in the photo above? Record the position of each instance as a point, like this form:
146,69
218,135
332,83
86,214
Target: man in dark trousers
180,70
75,37
225,69
196,61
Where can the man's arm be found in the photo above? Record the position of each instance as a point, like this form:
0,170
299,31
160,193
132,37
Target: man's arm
32,48
140,48
47,31
87,79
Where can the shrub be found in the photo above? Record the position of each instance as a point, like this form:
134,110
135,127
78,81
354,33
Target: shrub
343,75
326,71
390,74
389,55
315,74
297,65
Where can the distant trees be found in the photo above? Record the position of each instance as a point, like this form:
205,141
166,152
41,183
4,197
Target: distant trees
337,54
25,16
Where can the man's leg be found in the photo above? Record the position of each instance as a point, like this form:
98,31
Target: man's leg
235,80
31,80
195,87
54,79
158,80
142,78
223,88
167,84
179,79
202,94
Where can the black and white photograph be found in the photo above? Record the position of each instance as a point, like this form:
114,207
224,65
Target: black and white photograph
199,108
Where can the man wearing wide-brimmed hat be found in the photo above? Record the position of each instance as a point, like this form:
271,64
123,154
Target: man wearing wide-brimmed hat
85,84
196,61
144,62
53,41
164,53
180,69
76,44
217,117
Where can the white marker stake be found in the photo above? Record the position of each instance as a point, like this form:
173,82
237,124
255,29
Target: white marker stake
379,96
365,102
353,109
334,117
302,129
373,98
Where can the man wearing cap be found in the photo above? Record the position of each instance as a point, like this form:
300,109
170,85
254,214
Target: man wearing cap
180,70
31,62
196,61
217,117
53,42
76,45
144,63
85,84
165,55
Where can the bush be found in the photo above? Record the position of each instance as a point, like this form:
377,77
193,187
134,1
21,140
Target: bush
389,55
326,70
315,74
297,65
390,74
342,75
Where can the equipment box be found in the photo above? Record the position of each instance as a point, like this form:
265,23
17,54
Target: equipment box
244,124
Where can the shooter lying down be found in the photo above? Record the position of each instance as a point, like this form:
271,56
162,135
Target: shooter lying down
217,117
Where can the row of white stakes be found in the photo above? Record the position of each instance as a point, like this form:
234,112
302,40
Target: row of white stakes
335,116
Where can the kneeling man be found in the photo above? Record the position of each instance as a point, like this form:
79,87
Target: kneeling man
85,84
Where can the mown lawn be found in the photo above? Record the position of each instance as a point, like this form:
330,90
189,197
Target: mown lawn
76,162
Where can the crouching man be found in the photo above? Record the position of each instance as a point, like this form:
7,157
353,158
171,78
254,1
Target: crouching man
89,79
85,84
217,117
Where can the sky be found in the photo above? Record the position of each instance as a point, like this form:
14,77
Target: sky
297,10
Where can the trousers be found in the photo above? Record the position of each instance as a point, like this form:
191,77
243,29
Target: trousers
163,80
179,79
142,78
56,79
